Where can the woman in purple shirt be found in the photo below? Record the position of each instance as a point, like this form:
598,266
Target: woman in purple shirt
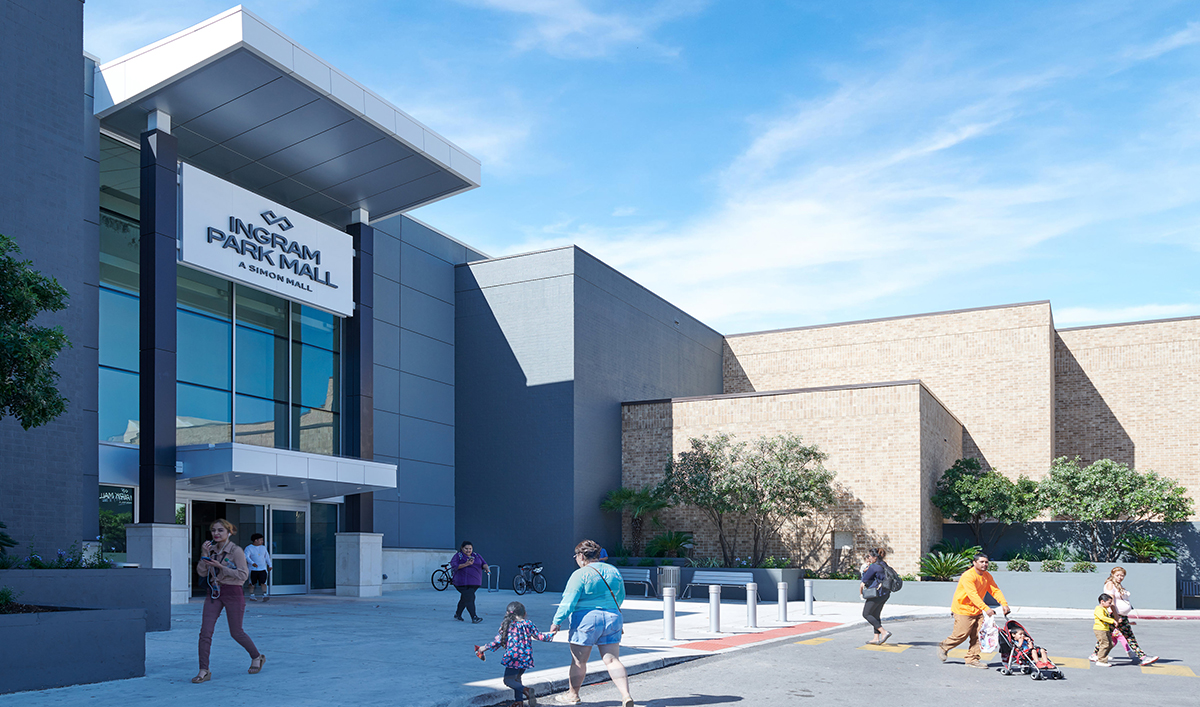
468,569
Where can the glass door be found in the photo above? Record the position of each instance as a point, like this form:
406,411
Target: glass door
323,544
248,517
288,540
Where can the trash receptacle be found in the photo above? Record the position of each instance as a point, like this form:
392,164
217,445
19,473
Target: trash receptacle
669,576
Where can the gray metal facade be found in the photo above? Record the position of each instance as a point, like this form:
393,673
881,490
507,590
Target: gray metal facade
48,475
414,380
548,346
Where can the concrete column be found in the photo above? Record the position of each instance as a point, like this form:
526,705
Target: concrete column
359,417
162,546
159,234
359,564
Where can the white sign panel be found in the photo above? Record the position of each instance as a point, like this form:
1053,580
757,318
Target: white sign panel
238,235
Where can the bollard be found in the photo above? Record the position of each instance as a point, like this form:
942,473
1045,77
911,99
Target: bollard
783,596
808,597
751,605
668,613
714,608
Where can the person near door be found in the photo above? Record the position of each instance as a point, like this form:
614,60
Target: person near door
259,561
468,568
223,566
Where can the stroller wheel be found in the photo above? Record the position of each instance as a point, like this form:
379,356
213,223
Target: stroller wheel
1036,675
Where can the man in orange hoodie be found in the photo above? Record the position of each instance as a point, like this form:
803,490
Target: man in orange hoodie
969,607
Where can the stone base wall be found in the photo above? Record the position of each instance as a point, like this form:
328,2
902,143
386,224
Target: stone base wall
887,443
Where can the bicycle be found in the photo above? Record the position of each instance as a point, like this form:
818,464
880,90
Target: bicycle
529,575
441,578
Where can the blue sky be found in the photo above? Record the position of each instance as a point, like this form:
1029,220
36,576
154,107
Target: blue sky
776,164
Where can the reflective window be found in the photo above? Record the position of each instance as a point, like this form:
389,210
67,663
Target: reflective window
119,328
202,415
316,431
316,328
118,406
315,377
261,422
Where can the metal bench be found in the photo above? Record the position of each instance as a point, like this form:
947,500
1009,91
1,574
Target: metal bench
725,579
1189,589
638,576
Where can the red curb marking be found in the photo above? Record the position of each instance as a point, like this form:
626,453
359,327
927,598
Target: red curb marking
719,643
1160,617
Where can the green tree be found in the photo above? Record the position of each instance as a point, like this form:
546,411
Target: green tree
1107,500
28,380
697,477
968,494
641,505
778,479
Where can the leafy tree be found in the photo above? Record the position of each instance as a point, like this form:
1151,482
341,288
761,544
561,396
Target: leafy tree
27,351
1107,500
640,505
968,494
697,477
779,479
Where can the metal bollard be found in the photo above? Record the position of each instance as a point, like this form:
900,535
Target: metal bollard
668,595
808,597
751,605
714,608
783,596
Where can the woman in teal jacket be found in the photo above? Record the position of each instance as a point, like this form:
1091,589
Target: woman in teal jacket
592,605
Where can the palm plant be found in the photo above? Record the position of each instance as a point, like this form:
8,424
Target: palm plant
640,505
673,543
6,540
943,566
1146,548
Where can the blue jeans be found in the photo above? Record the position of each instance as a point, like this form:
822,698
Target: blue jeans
512,678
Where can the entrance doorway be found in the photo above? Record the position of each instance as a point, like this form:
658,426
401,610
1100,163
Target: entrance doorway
248,518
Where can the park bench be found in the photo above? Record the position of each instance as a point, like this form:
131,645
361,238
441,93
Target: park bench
1189,589
638,576
725,579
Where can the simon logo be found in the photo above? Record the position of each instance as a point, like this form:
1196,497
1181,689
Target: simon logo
272,219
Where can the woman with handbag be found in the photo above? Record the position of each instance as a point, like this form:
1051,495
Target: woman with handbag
592,604
1121,609
873,590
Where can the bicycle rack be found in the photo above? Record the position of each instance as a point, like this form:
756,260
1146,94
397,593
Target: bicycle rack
493,574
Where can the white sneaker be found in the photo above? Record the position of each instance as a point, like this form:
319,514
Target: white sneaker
1149,659
1092,658
1103,664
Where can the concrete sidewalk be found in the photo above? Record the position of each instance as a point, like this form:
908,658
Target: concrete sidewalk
406,649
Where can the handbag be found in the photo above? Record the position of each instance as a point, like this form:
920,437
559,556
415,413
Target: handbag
876,591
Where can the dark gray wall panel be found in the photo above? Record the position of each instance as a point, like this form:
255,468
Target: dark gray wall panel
387,344
387,300
426,399
387,256
387,433
387,386
422,482
427,315
422,271
431,241
387,520
48,475
421,440
426,357
427,526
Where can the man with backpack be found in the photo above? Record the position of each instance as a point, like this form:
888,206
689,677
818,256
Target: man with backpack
878,582
968,607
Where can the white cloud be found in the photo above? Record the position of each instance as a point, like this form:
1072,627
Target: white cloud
579,29
1185,37
1083,316
622,211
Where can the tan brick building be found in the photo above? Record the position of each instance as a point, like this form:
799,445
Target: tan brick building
895,401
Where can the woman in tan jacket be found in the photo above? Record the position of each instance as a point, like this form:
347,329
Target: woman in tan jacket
223,565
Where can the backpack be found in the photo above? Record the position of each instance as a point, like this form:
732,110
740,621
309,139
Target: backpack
891,581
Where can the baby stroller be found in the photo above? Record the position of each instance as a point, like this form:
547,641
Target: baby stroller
1022,659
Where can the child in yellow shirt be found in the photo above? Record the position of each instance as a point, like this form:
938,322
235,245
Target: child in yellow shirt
1103,627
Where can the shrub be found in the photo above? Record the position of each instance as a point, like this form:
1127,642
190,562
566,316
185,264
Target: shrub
772,563
1063,552
674,543
8,596
1025,553
956,547
647,562
1083,566
704,562
941,566
619,561
908,577
1018,564
1146,548
1053,566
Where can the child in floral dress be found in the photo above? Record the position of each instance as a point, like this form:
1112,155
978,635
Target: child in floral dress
516,636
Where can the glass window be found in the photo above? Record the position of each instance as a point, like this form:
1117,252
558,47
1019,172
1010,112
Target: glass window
118,406
202,293
204,346
262,311
262,364
315,377
120,177
287,534
202,415
119,254
116,510
119,326
261,422
316,431
316,328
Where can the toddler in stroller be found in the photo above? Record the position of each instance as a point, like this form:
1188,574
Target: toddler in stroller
1021,655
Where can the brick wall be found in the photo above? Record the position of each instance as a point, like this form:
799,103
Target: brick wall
993,368
886,442
1131,393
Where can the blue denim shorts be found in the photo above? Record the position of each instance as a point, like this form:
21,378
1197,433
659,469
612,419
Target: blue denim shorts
595,627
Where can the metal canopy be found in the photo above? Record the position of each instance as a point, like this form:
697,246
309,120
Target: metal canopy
251,106
242,469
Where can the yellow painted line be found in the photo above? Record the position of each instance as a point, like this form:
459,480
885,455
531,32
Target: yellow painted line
1079,663
898,648
1182,671
962,653
814,641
